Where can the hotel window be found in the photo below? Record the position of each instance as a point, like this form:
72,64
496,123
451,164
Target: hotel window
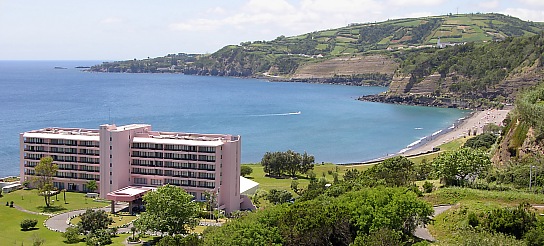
156,182
206,149
140,181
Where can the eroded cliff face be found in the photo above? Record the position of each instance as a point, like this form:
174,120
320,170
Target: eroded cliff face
456,91
517,142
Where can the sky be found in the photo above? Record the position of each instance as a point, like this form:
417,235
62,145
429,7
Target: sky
128,29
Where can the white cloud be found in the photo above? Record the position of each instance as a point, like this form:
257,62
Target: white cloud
266,6
196,25
525,14
532,2
341,6
489,5
216,10
411,3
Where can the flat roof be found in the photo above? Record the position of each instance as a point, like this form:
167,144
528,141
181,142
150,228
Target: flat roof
129,193
196,142
247,184
63,135
129,127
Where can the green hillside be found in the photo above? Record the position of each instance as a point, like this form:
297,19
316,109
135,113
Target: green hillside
470,76
284,55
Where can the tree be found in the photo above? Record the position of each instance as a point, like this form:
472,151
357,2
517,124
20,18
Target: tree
328,220
272,163
168,209
395,171
290,162
45,171
307,163
133,230
91,185
245,170
278,196
457,167
92,221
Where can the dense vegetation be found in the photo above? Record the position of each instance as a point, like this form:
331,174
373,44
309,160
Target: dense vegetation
283,55
354,217
474,67
530,107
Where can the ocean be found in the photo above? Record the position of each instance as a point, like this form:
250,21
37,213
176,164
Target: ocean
325,120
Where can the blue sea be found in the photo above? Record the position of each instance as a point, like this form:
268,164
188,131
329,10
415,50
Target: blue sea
325,120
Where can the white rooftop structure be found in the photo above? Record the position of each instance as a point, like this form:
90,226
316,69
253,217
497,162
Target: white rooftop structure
248,186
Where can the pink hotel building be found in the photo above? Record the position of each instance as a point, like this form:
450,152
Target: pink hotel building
134,155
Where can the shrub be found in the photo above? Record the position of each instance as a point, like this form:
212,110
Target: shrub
382,236
512,221
71,235
278,196
473,219
484,238
481,141
245,170
428,187
99,237
179,240
534,237
28,223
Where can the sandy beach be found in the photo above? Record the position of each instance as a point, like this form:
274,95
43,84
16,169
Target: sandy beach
475,122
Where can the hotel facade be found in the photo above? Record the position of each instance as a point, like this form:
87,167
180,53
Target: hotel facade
133,155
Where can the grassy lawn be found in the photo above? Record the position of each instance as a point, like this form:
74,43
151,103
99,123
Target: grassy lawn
29,200
446,226
11,231
268,183
10,218
453,195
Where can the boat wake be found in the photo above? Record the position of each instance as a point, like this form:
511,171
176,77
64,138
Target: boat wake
281,114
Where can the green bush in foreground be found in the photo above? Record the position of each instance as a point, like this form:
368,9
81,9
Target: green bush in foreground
26,224
71,235
512,221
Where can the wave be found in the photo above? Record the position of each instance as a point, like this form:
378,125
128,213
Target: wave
435,133
280,114
415,143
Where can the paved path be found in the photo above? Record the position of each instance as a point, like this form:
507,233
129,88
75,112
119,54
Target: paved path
422,232
30,212
60,222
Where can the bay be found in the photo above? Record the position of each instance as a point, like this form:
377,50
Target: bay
325,120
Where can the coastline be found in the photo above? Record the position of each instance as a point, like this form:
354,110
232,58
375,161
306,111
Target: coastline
475,122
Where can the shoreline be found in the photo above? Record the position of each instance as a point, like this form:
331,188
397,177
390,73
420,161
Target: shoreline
475,121
460,129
